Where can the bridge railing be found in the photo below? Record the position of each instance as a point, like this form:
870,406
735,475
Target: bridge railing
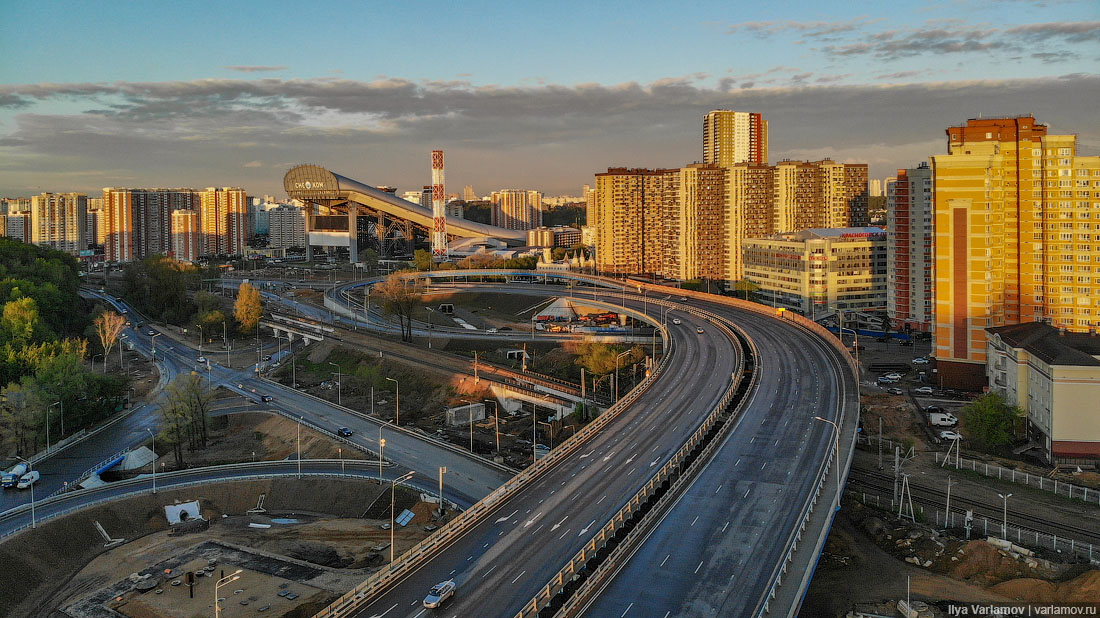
412,559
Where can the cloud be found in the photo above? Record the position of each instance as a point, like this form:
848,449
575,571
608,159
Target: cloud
255,68
1070,31
551,137
812,29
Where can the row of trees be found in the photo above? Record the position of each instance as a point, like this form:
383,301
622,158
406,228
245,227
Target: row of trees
186,412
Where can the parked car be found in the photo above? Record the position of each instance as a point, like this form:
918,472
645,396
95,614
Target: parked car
894,376
920,360
344,431
28,479
885,380
676,321
882,339
895,391
923,390
931,409
943,419
950,435
439,593
906,342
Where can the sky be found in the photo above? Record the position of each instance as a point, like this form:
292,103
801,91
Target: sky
519,95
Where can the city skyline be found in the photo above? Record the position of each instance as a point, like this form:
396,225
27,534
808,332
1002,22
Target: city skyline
516,110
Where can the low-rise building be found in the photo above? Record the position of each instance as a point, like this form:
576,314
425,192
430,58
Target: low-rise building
819,269
556,236
1054,376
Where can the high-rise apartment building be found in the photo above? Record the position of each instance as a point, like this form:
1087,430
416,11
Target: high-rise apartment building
58,221
516,209
10,205
186,235
94,228
288,226
694,235
629,215
468,194
224,218
909,248
751,211
16,225
731,137
820,194
1014,238
137,223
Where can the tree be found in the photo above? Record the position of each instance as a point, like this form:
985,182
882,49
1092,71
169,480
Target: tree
481,259
400,297
108,325
745,286
422,259
20,320
185,410
990,421
369,258
249,308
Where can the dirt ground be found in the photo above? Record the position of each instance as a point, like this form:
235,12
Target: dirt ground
862,566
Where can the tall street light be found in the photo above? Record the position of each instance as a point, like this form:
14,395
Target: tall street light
1004,522
201,335
339,384
153,340
393,493
300,419
442,471
430,312
381,452
397,405
617,374
232,577
225,341
837,457
34,521
154,462
496,421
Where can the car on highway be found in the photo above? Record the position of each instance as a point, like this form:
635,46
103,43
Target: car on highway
439,593
266,398
344,431
492,331
202,359
151,332
700,330
893,376
906,342
950,435
267,357
895,391
28,479
920,360
676,321
923,390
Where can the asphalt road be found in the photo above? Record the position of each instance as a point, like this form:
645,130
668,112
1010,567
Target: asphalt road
713,552
500,563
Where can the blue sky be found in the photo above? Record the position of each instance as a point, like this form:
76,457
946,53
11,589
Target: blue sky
538,95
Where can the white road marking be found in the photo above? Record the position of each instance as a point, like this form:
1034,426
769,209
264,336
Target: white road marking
627,610
486,572
746,493
587,454
631,458
558,525
666,559
600,500
563,534
539,528
385,612
586,528
507,517
737,462
725,526
699,567
718,490
519,576
608,456
654,462
694,520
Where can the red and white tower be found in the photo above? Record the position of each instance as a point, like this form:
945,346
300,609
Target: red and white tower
439,207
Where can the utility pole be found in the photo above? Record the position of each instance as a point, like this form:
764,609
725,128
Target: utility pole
880,443
947,511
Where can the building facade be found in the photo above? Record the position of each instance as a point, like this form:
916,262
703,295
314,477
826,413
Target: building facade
58,221
224,218
94,228
17,226
557,236
629,214
137,223
1014,238
731,137
288,227
186,235
820,270
1054,376
909,249
516,209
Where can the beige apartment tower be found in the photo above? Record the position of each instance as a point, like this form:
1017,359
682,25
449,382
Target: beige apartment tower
58,221
224,216
731,137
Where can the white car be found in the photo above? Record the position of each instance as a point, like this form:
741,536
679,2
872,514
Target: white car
439,593
893,376
920,360
950,435
202,359
28,479
923,390
492,331
676,321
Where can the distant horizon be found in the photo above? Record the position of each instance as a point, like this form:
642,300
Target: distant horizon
595,88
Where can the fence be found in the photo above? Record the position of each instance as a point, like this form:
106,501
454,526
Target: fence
1069,490
1023,537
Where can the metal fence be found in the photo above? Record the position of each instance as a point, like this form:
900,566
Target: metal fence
985,527
1069,490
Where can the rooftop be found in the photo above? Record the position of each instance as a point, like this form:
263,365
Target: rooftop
1052,345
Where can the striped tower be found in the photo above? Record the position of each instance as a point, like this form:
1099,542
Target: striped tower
439,210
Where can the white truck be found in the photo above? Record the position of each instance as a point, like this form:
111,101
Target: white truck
11,477
942,419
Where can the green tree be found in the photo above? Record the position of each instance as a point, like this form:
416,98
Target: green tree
108,326
990,422
422,259
186,410
20,320
369,258
745,287
249,308
401,297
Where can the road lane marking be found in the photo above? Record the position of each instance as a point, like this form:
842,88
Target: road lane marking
666,559
586,527
507,517
699,567
563,534
627,610
385,612
587,454
718,490
486,572
537,529
600,500
654,462
558,525
763,465
737,462
694,520
519,576
725,526
746,493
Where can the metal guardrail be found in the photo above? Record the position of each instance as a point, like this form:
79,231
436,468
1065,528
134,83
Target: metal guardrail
362,594
671,471
1011,475
367,465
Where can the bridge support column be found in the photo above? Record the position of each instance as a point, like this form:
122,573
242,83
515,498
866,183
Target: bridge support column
353,232
308,211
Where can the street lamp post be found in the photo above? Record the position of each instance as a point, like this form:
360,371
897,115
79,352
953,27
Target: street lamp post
381,452
442,471
225,341
300,419
430,312
397,403
232,577
201,336
104,362
34,520
617,374
393,493
154,462
837,462
551,432
1004,522
339,384
496,421
153,340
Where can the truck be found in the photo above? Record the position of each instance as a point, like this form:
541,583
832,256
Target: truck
11,477
942,419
